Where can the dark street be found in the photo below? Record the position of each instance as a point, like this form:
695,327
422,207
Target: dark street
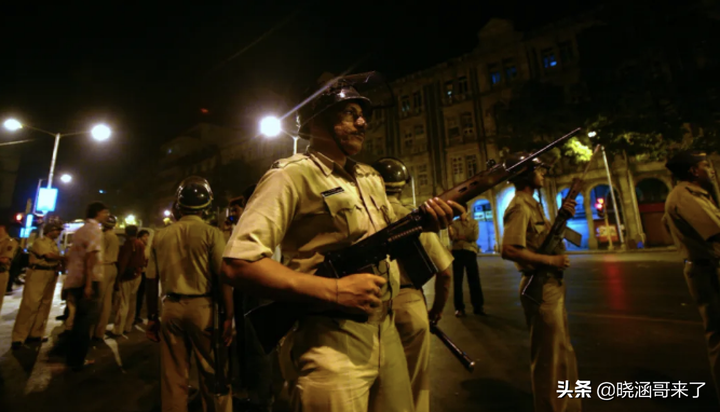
631,321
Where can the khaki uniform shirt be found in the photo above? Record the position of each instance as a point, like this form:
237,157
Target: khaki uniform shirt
525,225
430,241
186,254
470,230
310,205
41,247
111,247
692,218
8,248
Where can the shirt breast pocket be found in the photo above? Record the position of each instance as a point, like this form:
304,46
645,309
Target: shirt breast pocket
345,214
381,207
535,234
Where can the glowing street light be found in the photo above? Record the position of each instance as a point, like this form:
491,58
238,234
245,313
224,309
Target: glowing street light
592,134
99,132
166,213
12,125
130,220
270,126
66,178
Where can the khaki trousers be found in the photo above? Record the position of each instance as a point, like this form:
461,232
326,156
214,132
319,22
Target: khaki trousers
413,325
4,277
340,365
704,287
186,328
552,356
125,315
35,305
106,297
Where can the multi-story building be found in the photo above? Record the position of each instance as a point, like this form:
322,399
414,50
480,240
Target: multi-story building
231,160
444,126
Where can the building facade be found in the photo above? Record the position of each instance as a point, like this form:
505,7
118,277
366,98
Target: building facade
444,126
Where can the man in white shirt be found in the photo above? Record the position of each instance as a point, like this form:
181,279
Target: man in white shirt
84,274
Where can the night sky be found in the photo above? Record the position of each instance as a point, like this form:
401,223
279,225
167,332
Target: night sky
147,71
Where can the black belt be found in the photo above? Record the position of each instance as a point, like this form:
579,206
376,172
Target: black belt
386,309
556,275
178,296
40,267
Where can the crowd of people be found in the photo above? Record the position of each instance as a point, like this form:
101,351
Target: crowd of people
362,342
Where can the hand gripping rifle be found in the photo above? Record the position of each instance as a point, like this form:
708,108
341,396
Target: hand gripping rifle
399,240
533,289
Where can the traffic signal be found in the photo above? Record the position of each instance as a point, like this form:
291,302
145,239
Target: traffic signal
600,207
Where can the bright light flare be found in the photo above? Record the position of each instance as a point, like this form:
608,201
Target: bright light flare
592,134
270,126
166,213
130,220
66,178
101,132
12,125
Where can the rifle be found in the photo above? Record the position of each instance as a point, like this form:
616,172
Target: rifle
463,357
221,384
533,289
399,240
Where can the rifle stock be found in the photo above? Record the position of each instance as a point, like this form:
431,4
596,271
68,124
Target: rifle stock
399,240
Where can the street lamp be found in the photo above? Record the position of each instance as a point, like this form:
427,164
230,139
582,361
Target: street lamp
612,196
130,220
166,213
271,126
100,132
66,178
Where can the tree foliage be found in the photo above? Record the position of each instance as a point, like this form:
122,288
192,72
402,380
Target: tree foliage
649,81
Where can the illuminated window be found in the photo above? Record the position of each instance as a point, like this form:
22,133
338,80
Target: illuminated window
548,58
495,76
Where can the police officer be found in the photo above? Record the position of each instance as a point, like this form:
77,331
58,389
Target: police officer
186,256
693,219
111,247
8,247
39,288
312,203
411,315
464,234
551,353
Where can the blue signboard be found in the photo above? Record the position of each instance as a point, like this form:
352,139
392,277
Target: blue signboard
46,200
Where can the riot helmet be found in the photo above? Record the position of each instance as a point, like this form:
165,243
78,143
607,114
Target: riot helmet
110,222
393,172
515,158
194,194
340,90
680,164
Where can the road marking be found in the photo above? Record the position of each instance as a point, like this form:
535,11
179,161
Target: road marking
638,318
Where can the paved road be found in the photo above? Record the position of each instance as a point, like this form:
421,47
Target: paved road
630,315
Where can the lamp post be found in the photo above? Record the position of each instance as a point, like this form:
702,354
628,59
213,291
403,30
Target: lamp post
100,132
612,196
270,126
